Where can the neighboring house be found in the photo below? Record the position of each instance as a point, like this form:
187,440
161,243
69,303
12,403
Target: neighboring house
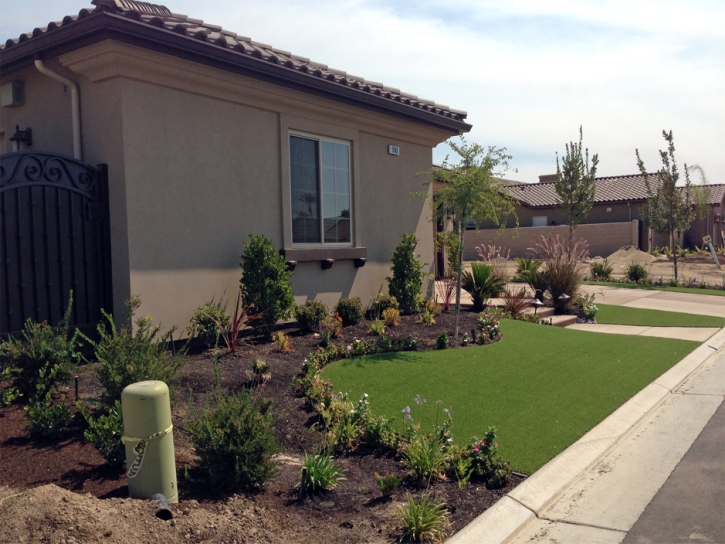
615,220
205,136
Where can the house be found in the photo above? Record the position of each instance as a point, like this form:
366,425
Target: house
201,136
615,220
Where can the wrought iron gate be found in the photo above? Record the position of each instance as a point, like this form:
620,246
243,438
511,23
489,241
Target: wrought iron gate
54,238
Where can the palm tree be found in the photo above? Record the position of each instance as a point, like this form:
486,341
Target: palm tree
481,283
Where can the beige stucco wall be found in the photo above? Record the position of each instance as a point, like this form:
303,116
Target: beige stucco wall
198,160
603,239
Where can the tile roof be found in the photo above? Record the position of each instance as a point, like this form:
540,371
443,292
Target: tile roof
162,19
630,188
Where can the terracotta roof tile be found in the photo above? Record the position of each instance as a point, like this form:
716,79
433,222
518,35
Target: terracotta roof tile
162,18
630,188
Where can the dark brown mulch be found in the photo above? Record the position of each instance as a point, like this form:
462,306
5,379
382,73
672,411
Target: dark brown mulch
354,512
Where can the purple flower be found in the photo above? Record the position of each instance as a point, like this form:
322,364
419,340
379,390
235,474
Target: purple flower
419,400
406,414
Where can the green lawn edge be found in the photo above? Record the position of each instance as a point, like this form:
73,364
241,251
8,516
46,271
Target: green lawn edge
622,315
542,387
698,291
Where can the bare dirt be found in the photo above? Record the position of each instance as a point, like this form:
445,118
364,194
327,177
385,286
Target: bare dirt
61,491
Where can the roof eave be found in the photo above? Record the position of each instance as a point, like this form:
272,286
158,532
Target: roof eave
100,25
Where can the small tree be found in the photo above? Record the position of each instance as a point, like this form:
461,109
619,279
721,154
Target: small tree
472,190
575,185
669,208
265,281
406,284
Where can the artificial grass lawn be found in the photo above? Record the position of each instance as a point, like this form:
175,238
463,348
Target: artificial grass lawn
698,291
542,387
621,315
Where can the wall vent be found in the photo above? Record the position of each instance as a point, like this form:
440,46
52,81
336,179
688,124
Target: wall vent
393,150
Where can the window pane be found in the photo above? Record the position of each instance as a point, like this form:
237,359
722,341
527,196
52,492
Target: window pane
305,191
336,192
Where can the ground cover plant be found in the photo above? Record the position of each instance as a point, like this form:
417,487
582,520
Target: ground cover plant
621,315
540,400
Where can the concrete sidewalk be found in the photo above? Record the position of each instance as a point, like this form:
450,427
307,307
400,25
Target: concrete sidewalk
698,334
597,489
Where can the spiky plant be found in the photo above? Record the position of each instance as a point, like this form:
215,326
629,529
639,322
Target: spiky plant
482,284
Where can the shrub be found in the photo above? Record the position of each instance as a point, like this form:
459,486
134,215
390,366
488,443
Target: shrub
427,318
105,432
442,340
382,303
310,314
320,472
637,273
377,328
482,284
526,265
235,441
209,321
673,283
486,462
514,302
602,271
451,243
45,350
282,342
433,307
387,483
266,281
490,327
391,317
379,432
350,311
424,521
563,267
426,457
45,419
406,284
127,357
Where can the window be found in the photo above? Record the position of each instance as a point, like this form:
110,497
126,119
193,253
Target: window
320,185
539,221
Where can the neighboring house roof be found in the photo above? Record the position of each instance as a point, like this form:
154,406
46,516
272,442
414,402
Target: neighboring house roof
631,188
156,27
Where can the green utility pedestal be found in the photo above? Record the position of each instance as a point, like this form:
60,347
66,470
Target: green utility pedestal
149,440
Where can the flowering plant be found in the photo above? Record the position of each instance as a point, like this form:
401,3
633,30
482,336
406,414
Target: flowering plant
490,327
485,461
590,311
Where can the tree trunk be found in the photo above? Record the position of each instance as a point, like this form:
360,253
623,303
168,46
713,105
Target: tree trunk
674,252
462,226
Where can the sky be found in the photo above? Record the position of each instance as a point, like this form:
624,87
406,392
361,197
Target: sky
529,73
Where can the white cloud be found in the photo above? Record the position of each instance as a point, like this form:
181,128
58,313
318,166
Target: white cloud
528,72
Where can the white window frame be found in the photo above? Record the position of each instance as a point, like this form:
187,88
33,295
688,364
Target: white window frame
533,220
319,139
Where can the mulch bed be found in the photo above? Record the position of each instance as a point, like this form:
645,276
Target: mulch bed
354,512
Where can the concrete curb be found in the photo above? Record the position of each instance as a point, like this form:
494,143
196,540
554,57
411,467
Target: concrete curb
505,519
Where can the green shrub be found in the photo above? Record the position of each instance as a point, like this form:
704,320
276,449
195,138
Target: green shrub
380,304
127,357
379,433
320,472
266,281
377,328
45,419
350,311
485,461
208,323
442,340
602,271
387,483
426,457
482,284
424,521
310,314
637,273
44,350
406,285
235,441
104,433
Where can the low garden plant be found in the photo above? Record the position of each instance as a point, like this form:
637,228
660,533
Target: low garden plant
104,433
47,419
382,303
391,317
310,314
425,520
282,342
350,310
482,284
387,483
602,271
637,273
127,356
209,321
320,473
